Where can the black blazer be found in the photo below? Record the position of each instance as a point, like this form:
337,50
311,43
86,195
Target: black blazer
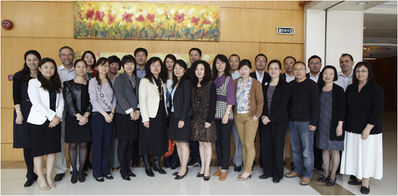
73,101
182,100
338,111
320,82
266,77
279,102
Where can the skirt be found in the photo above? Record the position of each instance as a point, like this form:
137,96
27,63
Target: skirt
177,134
125,128
45,140
362,158
74,133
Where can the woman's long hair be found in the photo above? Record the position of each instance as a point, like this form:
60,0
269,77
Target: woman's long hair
182,64
148,73
92,54
206,78
169,56
26,70
102,61
224,59
54,81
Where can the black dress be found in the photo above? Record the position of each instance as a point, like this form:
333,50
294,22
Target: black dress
125,128
22,135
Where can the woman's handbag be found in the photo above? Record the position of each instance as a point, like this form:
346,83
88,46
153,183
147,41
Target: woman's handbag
171,147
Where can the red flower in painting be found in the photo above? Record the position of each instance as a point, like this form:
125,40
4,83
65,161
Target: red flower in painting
80,16
150,17
140,18
111,19
99,16
127,17
89,25
89,14
206,22
179,17
195,20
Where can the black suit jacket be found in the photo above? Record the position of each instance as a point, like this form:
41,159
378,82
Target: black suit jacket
279,102
320,82
266,77
182,100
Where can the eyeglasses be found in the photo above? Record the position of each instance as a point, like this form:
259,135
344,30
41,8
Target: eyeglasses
298,69
363,71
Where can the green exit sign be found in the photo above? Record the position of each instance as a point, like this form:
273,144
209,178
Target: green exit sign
285,30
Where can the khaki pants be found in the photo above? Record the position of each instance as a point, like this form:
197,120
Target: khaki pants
247,129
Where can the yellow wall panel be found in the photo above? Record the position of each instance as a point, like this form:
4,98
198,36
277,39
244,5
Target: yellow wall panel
7,125
11,154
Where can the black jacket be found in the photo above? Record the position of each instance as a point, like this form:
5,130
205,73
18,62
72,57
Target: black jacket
73,101
182,100
279,102
266,77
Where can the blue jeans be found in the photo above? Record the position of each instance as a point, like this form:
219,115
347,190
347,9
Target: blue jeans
302,142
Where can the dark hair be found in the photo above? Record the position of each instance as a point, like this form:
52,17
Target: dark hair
92,54
26,70
298,62
234,55
266,59
206,78
346,54
66,47
54,81
149,75
314,57
370,71
245,62
102,61
329,67
140,50
289,57
275,61
170,56
197,49
114,59
77,61
128,59
224,59
182,64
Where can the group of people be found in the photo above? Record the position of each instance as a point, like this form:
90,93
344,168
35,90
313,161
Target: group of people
87,104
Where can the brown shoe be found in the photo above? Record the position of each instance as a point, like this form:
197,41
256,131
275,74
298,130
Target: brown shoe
292,174
218,172
223,176
305,181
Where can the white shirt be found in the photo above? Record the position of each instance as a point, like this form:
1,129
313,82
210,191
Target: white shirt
65,75
343,81
289,78
260,79
315,79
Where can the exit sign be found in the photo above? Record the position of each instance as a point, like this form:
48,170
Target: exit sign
285,30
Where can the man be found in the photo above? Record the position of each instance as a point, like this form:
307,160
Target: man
345,75
65,72
303,111
315,64
288,63
234,60
194,55
141,55
261,62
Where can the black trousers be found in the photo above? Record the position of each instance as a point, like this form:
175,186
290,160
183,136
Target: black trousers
194,147
223,143
272,146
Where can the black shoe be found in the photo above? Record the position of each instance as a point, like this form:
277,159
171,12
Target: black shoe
126,178
29,182
238,168
178,177
275,180
331,182
352,177
148,169
355,182
59,177
319,169
73,179
175,173
100,179
365,190
82,178
132,174
109,177
264,176
323,178
206,178
199,175
192,162
156,165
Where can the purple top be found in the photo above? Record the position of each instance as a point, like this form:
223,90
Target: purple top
107,102
219,81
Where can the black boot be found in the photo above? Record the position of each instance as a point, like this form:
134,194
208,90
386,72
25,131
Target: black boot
156,165
147,163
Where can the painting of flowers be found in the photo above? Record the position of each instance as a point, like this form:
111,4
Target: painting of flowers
122,20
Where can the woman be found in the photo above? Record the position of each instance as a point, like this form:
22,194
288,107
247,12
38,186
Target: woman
224,119
22,105
273,123
77,128
127,114
45,115
103,101
89,58
329,133
153,133
180,115
363,145
203,101
249,106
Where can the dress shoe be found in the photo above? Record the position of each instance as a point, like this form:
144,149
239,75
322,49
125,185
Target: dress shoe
218,172
305,181
199,175
292,174
192,162
29,182
100,179
131,174
238,168
264,176
355,182
175,173
240,178
365,190
126,178
109,177
178,177
73,179
276,180
331,182
82,178
323,178
156,165
223,176
352,177
59,177
206,178
319,169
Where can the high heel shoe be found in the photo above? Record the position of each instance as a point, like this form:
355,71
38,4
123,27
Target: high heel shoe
240,178
82,177
199,175
206,178
178,177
